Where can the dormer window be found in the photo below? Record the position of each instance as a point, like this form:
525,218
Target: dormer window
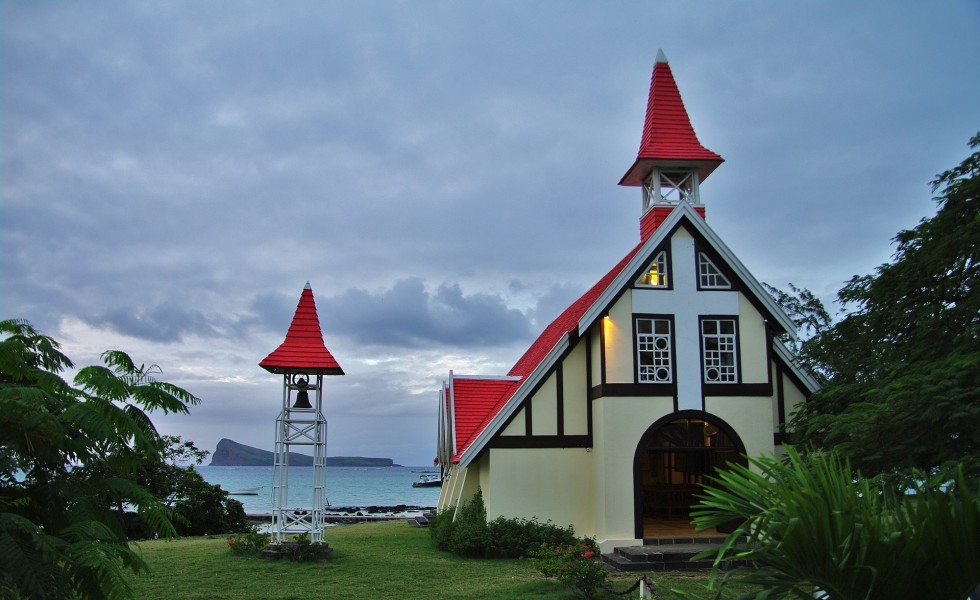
709,276
656,273
671,186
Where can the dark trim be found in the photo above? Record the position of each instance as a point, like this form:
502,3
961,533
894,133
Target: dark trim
778,438
614,390
602,348
644,441
528,419
663,247
705,386
792,377
736,389
560,398
780,395
542,441
701,246
673,347
588,382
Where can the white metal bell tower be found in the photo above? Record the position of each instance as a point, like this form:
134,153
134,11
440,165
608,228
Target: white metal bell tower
302,360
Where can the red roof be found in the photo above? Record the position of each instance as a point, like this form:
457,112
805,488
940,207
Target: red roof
566,321
303,348
475,402
668,136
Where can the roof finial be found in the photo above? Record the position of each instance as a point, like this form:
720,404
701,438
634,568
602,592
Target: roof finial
661,57
307,286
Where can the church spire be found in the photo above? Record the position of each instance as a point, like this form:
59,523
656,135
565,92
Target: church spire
671,161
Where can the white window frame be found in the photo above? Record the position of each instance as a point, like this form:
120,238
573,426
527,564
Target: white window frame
710,276
658,268
658,344
719,350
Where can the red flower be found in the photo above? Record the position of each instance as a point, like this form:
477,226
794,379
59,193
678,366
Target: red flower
231,541
588,554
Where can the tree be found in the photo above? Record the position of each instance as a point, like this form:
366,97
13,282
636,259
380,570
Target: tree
903,365
197,507
816,529
66,462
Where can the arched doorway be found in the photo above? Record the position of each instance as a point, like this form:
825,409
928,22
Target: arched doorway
674,459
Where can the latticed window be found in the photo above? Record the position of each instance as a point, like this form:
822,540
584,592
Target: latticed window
653,351
656,274
719,343
709,276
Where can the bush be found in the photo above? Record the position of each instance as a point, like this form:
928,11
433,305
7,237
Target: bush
469,534
469,530
516,538
576,566
250,543
441,529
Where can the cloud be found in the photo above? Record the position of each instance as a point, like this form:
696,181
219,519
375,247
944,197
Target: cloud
408,315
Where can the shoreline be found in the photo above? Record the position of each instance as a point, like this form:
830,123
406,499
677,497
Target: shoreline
357,514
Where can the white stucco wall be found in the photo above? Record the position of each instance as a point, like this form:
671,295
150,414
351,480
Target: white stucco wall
753,346
751,418
575,393
618,425
547,483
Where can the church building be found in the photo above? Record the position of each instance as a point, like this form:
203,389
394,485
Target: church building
667,369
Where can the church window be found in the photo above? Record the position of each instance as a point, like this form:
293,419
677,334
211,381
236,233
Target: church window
653,351
656,274
709,276
718,350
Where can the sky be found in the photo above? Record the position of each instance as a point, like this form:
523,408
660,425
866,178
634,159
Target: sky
444,174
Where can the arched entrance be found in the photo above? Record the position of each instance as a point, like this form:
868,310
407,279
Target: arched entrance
674,459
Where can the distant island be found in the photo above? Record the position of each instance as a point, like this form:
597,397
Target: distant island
229,453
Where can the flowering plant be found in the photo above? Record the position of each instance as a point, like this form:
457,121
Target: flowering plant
576,566
248,542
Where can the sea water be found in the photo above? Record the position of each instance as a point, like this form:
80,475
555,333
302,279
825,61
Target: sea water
346,486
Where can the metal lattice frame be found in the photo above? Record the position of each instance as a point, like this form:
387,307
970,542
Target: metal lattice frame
300,427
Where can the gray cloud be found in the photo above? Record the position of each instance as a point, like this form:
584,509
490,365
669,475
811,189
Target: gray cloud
443,173
407,315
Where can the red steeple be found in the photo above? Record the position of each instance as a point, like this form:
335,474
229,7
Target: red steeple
668,137
303,348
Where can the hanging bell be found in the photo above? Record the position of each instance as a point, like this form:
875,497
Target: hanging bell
302,396
302,400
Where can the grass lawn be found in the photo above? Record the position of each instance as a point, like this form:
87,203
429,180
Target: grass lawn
370,560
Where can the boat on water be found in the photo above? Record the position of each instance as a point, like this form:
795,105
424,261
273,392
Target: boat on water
254,491
428,480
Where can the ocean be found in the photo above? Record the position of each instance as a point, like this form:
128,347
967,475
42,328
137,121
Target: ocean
346,486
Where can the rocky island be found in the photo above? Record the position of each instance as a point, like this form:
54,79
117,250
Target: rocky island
229,453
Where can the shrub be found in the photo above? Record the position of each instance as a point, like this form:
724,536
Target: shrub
441,529
576,566
469,530
516,538
249,543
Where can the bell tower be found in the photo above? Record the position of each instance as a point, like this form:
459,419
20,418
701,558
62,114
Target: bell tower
671,162
302,360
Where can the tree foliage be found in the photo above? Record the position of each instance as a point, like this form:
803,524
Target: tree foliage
903,364
816,529
67,466
196,506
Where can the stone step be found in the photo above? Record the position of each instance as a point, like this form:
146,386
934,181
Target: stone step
664,554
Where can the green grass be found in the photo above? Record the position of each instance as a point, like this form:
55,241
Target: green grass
370,560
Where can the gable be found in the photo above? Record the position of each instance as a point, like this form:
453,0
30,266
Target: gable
541,358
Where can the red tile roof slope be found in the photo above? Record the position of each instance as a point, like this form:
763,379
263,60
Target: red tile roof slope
566,321
667,130
475,401
303,349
